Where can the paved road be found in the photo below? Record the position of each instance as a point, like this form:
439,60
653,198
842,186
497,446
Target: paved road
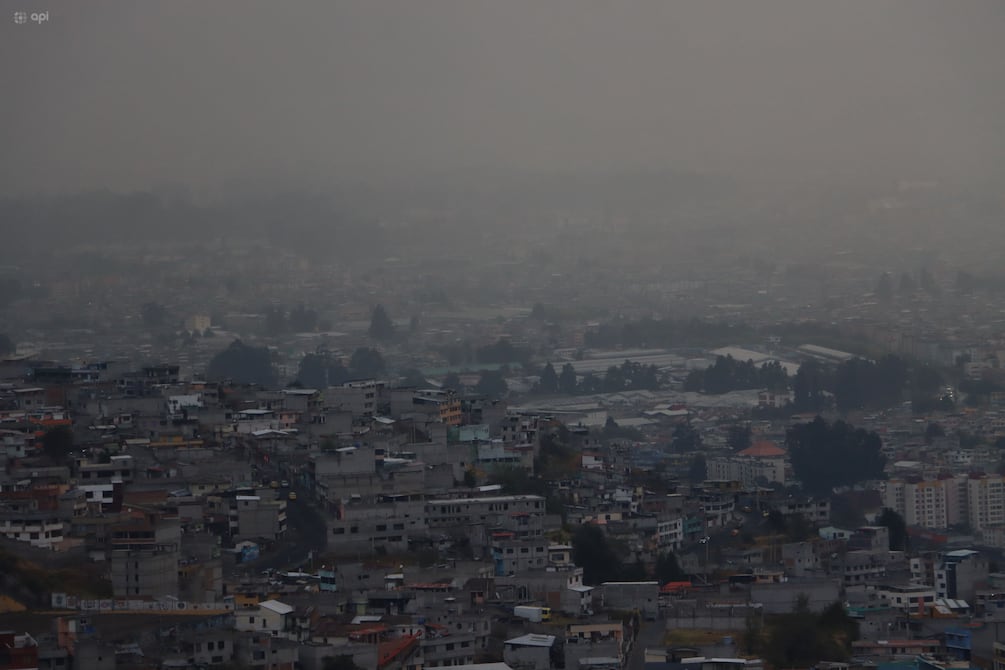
651,635
305,529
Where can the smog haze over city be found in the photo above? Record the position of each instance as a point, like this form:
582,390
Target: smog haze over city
498,313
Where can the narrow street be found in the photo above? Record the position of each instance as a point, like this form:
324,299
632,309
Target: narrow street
651,635
306,530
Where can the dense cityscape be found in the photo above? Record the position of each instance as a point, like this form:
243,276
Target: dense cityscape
502,336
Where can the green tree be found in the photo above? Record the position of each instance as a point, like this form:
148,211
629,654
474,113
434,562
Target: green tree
612,431
366,363
934,431
685,438
303,320
548,383
668,569
413,378
753,634
614,380
567,380
502,352
738,437
592,552
491,383
899,539
697,472
808,388
824,456
320,371
452,382
590,384
381,327
470,480
242,364
57,443
340,662
6,345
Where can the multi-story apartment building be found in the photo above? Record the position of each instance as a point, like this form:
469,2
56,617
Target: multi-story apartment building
932,503
358,397
34,515
514,553
249,514
986,501
670,534
959,573
762,462
39,528
492,511
977,500
359,528
144,556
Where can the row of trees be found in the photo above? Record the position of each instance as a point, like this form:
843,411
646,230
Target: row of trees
6,345
906,286
826,455
243,364
628,376
246,364
491,383
602,561
860,384
802,638
666,333
500,352
321,370
728,374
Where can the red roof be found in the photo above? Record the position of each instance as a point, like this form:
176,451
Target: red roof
763,449
393,648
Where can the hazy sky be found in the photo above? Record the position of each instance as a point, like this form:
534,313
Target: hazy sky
136,93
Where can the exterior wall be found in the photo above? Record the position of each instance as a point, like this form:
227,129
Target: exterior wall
144,572
986,497
362,528
350,461
251,517
360,398
450,513
525,657
957,576
780,598
454,649
39,529
818,511
935,503
643,596
909,599
514,557
747,470
670,534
